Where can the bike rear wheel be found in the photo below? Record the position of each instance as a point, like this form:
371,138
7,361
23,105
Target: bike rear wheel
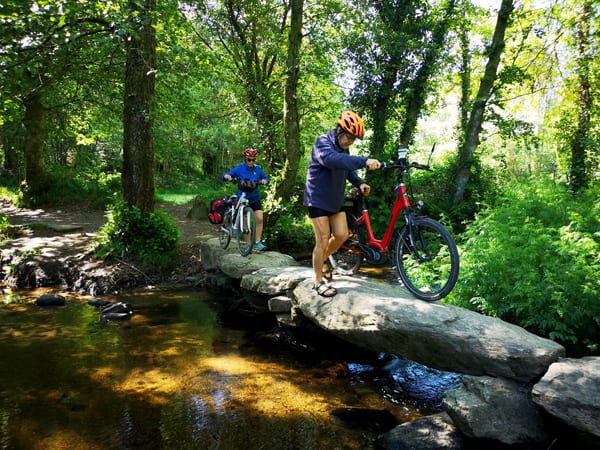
348,259
426,259
225,230
248,229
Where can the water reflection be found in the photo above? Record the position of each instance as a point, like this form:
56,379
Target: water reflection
170,377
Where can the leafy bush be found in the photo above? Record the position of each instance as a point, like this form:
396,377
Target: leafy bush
4,228
128,234
290,234
534,260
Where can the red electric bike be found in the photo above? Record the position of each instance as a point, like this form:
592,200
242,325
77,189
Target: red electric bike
424,253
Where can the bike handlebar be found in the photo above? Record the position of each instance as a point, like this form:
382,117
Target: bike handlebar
403,164
244,184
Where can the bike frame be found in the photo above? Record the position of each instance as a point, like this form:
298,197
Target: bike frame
236,206
400,204
238,218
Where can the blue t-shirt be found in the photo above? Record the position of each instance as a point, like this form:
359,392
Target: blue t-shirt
329,168
255,174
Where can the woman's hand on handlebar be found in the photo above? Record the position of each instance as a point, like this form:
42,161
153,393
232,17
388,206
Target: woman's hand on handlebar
373,164
365,189
227,177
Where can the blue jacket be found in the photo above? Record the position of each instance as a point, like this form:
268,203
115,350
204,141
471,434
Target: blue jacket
328,170
255,174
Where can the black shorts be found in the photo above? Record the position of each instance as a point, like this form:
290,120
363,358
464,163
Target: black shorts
313,212
256,206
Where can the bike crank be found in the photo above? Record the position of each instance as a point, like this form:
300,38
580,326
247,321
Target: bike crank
372,254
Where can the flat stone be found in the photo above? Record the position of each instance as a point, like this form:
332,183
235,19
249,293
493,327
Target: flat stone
236,266
275,280
386,318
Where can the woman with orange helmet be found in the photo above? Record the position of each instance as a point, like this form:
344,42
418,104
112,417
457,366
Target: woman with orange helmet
248,169
329,168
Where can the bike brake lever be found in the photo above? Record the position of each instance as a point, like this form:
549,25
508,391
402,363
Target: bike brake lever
419,166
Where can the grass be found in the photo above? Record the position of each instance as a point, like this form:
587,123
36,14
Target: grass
180,195
177,198
9,193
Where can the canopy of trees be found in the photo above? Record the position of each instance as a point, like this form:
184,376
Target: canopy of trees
227,75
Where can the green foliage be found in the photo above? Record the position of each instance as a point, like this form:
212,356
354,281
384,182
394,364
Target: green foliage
151,239
291,233
4,228
9,188
533,260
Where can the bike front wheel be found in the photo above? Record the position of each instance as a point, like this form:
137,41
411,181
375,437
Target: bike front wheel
225,230
426,259
246,235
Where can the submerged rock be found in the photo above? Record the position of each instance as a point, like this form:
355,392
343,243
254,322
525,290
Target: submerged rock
378,420
50,300
116,311
97,302
427,433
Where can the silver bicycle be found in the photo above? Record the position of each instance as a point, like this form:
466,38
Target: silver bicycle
239,219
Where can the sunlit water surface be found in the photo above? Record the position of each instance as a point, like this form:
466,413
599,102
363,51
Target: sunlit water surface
173,377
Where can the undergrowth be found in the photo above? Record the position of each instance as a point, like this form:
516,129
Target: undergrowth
128,234
534,260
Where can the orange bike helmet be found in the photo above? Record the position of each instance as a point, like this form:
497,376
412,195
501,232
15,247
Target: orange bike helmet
249,153
351,123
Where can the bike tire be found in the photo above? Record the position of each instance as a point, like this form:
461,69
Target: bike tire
248,227
429,268
347,260
225,230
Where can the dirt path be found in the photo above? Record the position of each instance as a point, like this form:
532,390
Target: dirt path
52,238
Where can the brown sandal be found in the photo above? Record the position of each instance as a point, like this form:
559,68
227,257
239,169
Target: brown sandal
325,290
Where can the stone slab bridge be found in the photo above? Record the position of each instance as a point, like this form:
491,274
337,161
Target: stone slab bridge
509,374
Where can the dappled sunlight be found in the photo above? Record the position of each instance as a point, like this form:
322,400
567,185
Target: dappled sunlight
152,383
170,376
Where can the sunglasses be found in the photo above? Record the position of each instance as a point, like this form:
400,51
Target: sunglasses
251,159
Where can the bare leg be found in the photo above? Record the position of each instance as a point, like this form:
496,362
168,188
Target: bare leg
330,233
259,224
339,233
322,232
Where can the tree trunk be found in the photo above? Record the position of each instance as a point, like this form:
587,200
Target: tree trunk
415,102
291,117
380,113
35,135
578,173
471,138
138,110
465,78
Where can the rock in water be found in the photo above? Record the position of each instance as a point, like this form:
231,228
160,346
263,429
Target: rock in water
97,302
50,300
377,420
116,311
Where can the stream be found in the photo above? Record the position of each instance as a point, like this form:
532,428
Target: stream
180,374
